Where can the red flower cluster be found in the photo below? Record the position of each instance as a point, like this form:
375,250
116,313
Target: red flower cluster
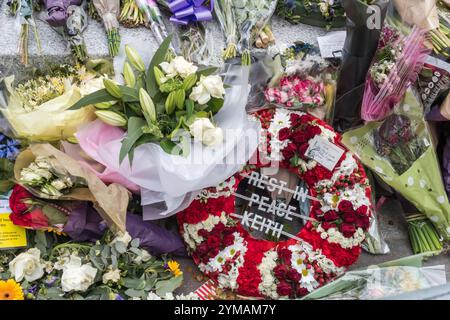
23,214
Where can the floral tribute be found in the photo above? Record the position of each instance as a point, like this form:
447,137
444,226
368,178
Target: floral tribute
330,240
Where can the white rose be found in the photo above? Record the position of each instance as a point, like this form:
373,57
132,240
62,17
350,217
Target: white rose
178,66
58,184
90,86
111,275
214,85
29,176
207,87
77,276
27,265
204,131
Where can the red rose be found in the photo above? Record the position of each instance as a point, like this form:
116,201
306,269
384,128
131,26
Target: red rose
203,233
228,240
312,131
213,241
202,249
347,230
284,134
218,228
284,289
289,151
302,150
293,275
35,219
285,255
295,119
349,217
362,210
326,225
301,291
19,194
299,137
330,216
280,271
363,222
345,206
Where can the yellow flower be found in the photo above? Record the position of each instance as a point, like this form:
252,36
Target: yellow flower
10,290
174,267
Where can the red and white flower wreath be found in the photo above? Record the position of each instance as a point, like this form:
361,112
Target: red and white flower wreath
330,241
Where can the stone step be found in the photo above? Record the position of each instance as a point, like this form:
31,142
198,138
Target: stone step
54,48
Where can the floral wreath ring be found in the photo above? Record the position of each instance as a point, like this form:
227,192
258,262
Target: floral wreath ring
328,243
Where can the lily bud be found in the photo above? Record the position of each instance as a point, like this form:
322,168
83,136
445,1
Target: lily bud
158,75
189,81
147,104
179,97
134,58
128,75
105,105
72,139
170,103
112,88
111,118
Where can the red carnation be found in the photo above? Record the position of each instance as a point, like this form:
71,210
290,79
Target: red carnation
295,119
280,271
284,289
228,240
326,225
345,206
203,233
347,230
331,216
202,249
219,228
293,275
284,134
289,151
312,131
18,195
349,217
299,137
302,150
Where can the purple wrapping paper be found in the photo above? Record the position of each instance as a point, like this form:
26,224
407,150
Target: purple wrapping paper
85,224
57,11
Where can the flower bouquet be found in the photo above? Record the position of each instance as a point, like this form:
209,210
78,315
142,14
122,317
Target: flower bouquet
48,173
160,105
196,42
173,108
153,18
110,269
251,18
130,14
24,10
37,109
308,82
226,17
396,65
320,13
109,11
70,20
400,151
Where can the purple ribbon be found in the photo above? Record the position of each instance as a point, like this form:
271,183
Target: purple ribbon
185,11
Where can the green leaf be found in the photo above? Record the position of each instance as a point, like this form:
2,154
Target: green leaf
170,147
133,283
135,293
120,247
166,286
189,107
214,105
207,71
158,57
135,242
135,125
129,94
96,97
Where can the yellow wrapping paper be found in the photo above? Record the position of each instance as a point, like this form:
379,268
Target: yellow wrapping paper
111,201
421,13
51,121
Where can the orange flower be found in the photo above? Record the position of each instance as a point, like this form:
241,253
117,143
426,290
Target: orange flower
10,290
174,267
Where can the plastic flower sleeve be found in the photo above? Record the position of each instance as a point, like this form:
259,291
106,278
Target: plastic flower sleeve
421,13
57,11
109,11
359,48
400,151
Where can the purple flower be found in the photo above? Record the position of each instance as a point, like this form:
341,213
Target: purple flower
119,297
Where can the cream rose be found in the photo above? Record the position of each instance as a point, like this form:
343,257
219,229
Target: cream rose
204,131
207,87
178,66
77,276
27,265
111,275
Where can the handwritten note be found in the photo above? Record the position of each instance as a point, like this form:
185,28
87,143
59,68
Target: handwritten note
11,236
331,44
324,152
